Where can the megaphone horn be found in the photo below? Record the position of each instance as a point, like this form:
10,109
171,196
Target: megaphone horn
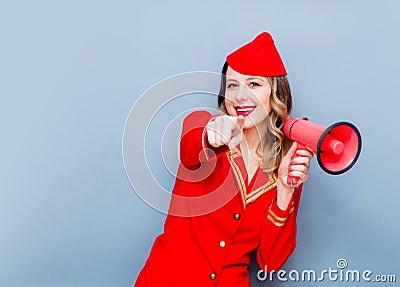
337,147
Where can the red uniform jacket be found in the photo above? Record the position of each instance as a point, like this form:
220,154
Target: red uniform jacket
217,219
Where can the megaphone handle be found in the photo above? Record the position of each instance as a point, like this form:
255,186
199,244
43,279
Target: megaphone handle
293,180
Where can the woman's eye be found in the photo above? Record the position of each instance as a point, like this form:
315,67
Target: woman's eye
232,86
254,84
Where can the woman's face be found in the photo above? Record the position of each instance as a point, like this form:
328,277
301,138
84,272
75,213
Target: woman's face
248,96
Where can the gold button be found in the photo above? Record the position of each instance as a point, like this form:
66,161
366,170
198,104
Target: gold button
236,216
213,276
222,243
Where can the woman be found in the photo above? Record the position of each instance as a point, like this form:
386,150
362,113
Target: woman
231,195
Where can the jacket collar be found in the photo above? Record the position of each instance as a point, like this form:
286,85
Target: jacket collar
261,182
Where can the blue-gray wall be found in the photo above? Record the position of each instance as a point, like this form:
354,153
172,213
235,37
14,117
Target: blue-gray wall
70,71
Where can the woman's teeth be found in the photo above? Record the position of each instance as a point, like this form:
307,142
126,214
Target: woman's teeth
244,111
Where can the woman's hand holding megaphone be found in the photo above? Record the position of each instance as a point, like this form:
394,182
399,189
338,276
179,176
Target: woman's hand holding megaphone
295,164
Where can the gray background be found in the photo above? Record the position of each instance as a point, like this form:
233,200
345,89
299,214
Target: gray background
70,71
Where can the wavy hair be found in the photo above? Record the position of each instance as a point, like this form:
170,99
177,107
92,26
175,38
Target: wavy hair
275,144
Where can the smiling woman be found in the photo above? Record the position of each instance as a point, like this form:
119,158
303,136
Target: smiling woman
243,151
273,96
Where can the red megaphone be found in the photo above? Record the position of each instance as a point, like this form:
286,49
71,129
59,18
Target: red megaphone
337,147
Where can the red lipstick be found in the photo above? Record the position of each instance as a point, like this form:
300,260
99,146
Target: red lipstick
244,110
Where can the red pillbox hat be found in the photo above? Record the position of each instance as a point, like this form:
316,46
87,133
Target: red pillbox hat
257,58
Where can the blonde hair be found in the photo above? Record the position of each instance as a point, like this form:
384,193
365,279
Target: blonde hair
275,144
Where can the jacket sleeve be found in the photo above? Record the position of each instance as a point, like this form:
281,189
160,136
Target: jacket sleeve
278,234
194,147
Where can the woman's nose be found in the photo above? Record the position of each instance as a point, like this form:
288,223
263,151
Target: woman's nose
242,94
